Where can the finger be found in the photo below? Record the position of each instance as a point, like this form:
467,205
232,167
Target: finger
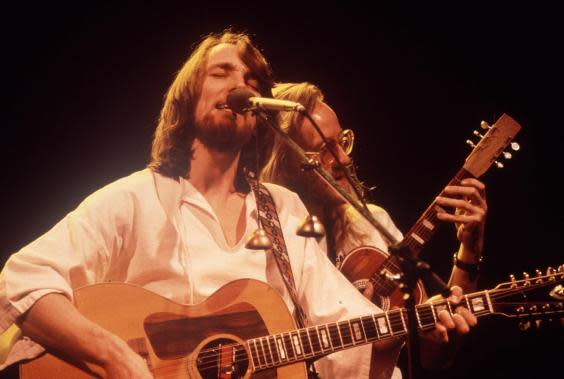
456,294
472,194
468,316
446,319
476,206
465,219
461,190
473,182
460,324
462,207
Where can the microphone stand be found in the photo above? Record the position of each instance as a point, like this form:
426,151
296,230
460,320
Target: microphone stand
312,164
413,268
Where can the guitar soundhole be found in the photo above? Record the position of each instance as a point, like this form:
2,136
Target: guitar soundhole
222,358
382,302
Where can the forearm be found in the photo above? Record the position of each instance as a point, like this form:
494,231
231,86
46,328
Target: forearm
467,280
55,323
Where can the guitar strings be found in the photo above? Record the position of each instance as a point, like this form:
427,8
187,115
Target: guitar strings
494,294
211,354
242,355
209,357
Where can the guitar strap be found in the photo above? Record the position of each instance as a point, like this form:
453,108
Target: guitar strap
271,225
269,221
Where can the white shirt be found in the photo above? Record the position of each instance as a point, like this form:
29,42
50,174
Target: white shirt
370,237
162,234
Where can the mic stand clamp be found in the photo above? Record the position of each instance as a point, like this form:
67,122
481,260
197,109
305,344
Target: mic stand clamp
414,269
309,165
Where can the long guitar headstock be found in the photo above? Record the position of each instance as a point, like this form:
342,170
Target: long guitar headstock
484,154
491,145
532,298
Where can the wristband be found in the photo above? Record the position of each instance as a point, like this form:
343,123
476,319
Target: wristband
473,269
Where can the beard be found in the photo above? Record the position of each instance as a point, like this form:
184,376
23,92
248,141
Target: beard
223,135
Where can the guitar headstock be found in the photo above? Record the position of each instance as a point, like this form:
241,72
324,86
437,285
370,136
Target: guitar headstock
532,298
491,145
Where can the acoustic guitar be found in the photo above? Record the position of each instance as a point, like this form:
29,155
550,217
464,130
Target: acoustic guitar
244,330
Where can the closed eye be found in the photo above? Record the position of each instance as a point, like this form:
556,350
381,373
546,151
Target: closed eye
218,74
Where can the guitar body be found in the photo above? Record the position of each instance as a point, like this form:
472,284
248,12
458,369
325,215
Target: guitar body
363,264
173,338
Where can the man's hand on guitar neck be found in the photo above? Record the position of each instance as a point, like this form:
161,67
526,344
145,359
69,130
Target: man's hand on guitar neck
469,199
469,218
54,322
438,346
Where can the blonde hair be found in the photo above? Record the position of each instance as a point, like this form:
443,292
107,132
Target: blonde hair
283,166
276,168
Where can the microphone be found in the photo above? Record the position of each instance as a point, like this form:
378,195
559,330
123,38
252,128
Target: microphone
241,100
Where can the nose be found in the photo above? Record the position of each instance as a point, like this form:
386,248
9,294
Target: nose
238,81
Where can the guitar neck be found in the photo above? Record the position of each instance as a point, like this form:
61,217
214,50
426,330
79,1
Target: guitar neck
425,227
317,341
416,238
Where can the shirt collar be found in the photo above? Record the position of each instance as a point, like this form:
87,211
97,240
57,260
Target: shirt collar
190,195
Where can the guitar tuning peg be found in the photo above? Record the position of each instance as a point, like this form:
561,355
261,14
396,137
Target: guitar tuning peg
515,146
539,276
513,281
477,134
545,308
507,155
484,125
526,278
470,143
557,293
498,164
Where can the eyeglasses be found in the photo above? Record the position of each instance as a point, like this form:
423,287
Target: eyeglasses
345,140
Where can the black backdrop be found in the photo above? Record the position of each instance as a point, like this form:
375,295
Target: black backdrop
84,86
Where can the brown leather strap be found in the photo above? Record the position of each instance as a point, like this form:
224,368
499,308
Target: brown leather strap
271,225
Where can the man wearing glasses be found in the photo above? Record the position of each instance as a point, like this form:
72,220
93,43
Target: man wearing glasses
345,228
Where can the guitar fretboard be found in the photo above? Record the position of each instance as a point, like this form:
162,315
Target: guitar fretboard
316,341
425,227
414,240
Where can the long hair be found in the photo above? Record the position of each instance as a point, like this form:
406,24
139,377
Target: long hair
279,167
171,150
283,167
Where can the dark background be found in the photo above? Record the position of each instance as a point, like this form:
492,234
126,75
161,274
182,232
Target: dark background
84,86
